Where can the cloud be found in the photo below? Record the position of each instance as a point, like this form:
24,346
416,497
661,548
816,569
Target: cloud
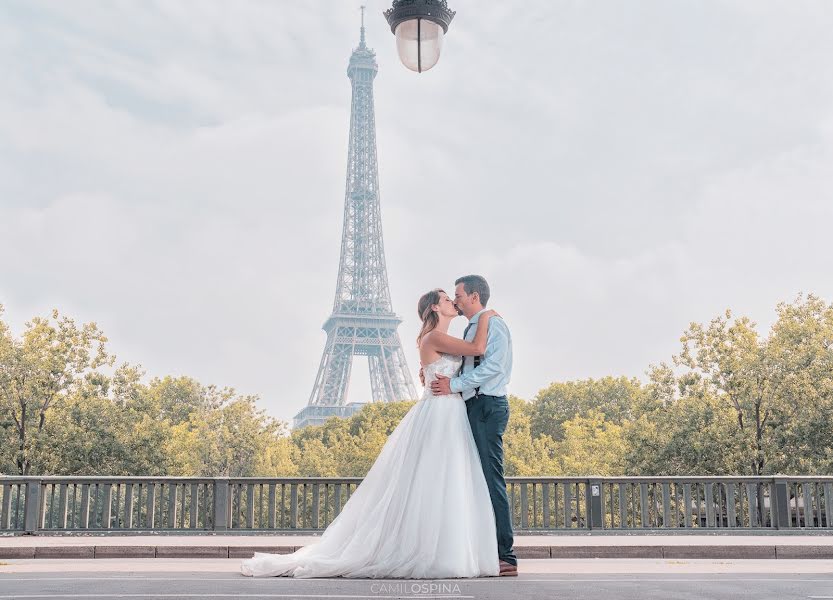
175,172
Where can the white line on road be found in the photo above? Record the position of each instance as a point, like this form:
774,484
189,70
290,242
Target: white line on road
229,595
520,579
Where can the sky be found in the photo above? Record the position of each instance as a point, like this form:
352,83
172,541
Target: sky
174,171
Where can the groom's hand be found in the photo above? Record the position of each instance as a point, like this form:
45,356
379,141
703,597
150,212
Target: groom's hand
441,386
422,376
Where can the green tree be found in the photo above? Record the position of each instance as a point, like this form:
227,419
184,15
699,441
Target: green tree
738,402
231,440
39,371
84,433
689,436
800,354
733,401
145,432
525,455
727,359
774,385
614,397
592,445
314,459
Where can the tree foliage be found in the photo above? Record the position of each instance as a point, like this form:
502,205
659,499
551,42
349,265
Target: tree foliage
733,401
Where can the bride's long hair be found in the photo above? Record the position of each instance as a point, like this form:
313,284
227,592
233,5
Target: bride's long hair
428,316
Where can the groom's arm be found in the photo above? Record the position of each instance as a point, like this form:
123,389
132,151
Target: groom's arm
497,349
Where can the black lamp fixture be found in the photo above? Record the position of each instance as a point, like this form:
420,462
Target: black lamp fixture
419,27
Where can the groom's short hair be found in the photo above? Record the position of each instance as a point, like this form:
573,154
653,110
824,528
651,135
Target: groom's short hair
475,283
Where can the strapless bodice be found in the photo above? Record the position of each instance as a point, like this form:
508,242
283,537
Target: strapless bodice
447,364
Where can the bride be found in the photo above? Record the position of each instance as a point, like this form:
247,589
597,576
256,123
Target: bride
423,509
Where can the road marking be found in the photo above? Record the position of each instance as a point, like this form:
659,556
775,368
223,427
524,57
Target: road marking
347,580
229,595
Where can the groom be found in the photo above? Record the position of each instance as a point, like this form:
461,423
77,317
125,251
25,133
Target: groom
482,382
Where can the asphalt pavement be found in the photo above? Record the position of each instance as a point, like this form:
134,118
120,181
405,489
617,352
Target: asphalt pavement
550,579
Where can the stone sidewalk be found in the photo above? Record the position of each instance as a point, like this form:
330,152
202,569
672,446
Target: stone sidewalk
606,546
198,567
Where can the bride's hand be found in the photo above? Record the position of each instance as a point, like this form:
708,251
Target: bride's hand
491,313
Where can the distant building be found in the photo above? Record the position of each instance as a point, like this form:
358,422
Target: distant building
316,415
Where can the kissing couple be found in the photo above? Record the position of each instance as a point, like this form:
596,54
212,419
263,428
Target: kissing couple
434,504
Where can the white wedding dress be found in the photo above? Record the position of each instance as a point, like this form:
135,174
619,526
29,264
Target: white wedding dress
422,511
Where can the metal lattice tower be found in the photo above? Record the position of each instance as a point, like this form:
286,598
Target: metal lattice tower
363,322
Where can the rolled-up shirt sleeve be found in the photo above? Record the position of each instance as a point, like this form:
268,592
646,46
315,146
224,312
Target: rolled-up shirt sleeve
497,348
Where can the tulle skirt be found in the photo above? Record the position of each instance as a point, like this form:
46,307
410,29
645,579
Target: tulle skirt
422,511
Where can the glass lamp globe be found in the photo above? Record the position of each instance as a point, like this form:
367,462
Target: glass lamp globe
419,27
419,42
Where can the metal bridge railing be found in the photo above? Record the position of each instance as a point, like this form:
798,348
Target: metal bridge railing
538,504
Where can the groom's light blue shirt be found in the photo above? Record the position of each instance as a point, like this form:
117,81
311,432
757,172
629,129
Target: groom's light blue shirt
495,369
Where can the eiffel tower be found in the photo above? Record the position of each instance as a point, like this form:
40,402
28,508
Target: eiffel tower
363,322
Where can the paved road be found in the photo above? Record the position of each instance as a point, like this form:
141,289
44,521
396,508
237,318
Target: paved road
544,580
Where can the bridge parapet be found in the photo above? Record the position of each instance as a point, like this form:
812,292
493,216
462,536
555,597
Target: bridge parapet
539,504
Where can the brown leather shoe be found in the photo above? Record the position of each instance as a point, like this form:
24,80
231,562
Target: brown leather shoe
508,569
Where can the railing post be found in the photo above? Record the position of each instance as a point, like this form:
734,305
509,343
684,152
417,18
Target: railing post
781,501
594,493
220,504
31,507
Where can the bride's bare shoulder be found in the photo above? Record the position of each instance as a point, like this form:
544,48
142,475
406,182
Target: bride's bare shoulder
428,338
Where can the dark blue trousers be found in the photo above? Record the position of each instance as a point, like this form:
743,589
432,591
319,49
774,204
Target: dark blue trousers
488,416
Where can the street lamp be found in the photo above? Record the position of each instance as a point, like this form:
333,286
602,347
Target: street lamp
419,27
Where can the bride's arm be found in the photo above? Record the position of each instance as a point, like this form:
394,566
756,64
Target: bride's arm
448,344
